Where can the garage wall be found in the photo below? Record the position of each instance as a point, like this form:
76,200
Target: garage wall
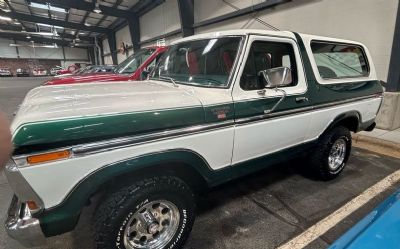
123,36
160,20
371,22
6,50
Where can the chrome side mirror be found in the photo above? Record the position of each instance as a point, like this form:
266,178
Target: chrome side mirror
277,77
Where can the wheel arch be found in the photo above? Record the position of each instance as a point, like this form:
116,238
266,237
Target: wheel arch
350,120
186,164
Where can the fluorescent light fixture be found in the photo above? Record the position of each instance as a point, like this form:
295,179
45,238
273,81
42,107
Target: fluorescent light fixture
87,24
47,7
6,10
49,26
5,18
28,37
16,22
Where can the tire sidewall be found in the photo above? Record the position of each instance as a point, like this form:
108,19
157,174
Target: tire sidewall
339,133
182,202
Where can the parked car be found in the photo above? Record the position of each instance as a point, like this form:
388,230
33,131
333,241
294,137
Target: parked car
5,72
22,72
130,69
39,71
54,71
216,107
379,229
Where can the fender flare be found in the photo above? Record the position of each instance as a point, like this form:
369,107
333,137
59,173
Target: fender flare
63,217
345,116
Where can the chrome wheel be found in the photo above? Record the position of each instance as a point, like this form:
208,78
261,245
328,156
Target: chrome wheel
152,226
337,154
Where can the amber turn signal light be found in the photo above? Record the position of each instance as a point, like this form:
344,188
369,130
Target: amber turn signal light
47,157
32,205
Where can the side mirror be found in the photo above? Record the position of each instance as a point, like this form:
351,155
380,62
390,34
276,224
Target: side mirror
277,77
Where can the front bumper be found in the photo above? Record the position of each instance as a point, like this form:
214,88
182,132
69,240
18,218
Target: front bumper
21,226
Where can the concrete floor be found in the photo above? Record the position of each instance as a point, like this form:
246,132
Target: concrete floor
262,210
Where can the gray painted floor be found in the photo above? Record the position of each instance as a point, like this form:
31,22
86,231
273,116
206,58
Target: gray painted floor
260,211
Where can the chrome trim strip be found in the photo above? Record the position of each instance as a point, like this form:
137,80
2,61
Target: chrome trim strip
128,141
117,143
243,121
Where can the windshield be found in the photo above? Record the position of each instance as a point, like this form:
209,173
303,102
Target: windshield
131,64
205,62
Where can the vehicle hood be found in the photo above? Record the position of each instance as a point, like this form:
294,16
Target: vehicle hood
83,111
87,78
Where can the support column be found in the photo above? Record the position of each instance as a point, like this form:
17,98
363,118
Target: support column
186,13
389,115
134,29
112,42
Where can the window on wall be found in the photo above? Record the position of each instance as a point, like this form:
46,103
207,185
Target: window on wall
267,55
335,61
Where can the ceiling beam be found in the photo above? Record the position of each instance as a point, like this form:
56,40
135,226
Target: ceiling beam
22,37
62,23
6,27
86,6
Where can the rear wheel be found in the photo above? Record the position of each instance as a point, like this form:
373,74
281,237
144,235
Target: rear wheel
332,153
154,213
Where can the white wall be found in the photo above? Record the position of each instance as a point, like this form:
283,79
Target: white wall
371,22
161,20
6,50
123,35
78,54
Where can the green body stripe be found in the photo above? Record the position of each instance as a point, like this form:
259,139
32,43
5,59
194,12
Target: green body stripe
71,131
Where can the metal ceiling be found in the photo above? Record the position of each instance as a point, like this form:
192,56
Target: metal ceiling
71,21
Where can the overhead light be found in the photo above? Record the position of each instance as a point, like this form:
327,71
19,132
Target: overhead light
97,8
49,26
47,7
77,38
28,37
16,22
87,24
82,33
6,10
5,18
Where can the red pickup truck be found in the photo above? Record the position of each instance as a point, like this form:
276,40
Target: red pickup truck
129,69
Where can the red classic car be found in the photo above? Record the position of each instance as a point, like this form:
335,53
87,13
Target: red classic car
130,69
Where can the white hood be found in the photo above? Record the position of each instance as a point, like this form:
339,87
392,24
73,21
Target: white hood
79,100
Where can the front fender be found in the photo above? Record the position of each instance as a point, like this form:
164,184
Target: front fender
63,217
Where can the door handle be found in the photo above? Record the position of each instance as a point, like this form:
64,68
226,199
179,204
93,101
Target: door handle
301,99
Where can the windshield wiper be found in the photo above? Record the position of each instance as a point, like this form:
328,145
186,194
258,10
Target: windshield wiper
170,79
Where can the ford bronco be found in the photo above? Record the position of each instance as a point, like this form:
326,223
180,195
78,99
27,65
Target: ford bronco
217,106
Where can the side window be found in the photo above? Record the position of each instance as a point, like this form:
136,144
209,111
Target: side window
335,61
266,55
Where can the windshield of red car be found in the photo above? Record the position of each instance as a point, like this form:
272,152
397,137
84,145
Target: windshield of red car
132,63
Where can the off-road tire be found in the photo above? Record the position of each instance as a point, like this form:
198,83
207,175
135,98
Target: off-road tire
320,156
112,214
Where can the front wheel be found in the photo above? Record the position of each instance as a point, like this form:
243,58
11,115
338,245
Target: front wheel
154,213
332,153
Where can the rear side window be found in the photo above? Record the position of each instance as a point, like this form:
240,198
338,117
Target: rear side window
335,61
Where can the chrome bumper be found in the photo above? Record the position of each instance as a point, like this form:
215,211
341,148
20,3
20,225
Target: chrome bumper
21,226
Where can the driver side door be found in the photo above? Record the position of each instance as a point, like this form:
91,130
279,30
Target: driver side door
259,130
